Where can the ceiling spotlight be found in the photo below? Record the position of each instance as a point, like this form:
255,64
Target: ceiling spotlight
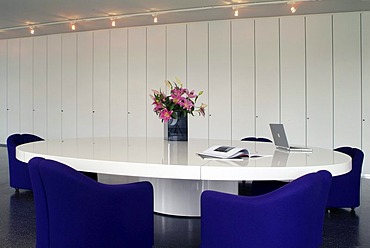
73,26
292,8
236,11
32,30
113,22
155,18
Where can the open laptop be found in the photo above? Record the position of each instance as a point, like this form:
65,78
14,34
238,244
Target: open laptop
281,141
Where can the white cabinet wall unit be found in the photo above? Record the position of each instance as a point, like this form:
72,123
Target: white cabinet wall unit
347,79
54,87
197,75
13,120
319,81
365,24
101,79
118,82
219,80
40,86
3,91
293,81
242,79
137,90
308,72
85,85
267,74
26,85
156,75
69,89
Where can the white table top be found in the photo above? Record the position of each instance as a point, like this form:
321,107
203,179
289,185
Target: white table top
159,158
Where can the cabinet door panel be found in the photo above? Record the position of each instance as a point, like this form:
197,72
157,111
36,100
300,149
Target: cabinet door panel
3,92
13,86
69,87
365,20
137,93
85,84
197,64
54,88
267,75
243,87
347,79
156,62
293,83
118,83
219,80
39,86
176,52
101,86
319,81
26,85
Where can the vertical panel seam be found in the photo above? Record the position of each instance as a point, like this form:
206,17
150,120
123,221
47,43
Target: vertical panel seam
146,81
127,78
361,79
47,87
305,79
280,83
333,80
255,77
231,78
109,81
208,61
33,84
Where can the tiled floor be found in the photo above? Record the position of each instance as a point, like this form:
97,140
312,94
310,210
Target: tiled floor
342,229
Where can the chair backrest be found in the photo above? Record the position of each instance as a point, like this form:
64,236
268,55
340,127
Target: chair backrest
291,216
257,139
73,210
345,189
18,171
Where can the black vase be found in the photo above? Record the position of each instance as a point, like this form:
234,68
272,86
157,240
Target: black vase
176,129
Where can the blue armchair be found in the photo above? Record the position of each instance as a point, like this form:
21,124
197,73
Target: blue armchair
289,217
19,176
73,210
345,189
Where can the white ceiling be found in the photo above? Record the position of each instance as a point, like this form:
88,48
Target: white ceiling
17,13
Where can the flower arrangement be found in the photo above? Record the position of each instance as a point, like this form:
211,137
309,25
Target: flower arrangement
180,102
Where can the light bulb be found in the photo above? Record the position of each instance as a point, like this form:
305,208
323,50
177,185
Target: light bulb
293,9
155,20
73,26
113,22
236,12
32,30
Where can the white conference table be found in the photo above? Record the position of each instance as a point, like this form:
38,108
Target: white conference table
177,173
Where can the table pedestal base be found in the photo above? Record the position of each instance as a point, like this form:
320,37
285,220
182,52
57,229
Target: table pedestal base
182,197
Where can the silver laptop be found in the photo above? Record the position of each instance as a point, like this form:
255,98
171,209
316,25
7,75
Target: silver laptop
281,141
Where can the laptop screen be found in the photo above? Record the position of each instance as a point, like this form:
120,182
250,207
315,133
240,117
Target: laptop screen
279,136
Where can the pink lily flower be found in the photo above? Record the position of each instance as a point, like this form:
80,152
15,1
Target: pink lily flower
165,115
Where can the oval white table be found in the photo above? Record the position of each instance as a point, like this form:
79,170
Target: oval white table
178,174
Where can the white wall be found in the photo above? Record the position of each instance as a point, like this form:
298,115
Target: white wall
308,72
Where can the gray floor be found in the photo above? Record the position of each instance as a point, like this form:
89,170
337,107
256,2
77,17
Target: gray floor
342,228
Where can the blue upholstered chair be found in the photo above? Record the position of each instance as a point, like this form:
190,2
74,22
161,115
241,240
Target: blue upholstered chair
345,189
72,210
19,176
256,139
289,217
